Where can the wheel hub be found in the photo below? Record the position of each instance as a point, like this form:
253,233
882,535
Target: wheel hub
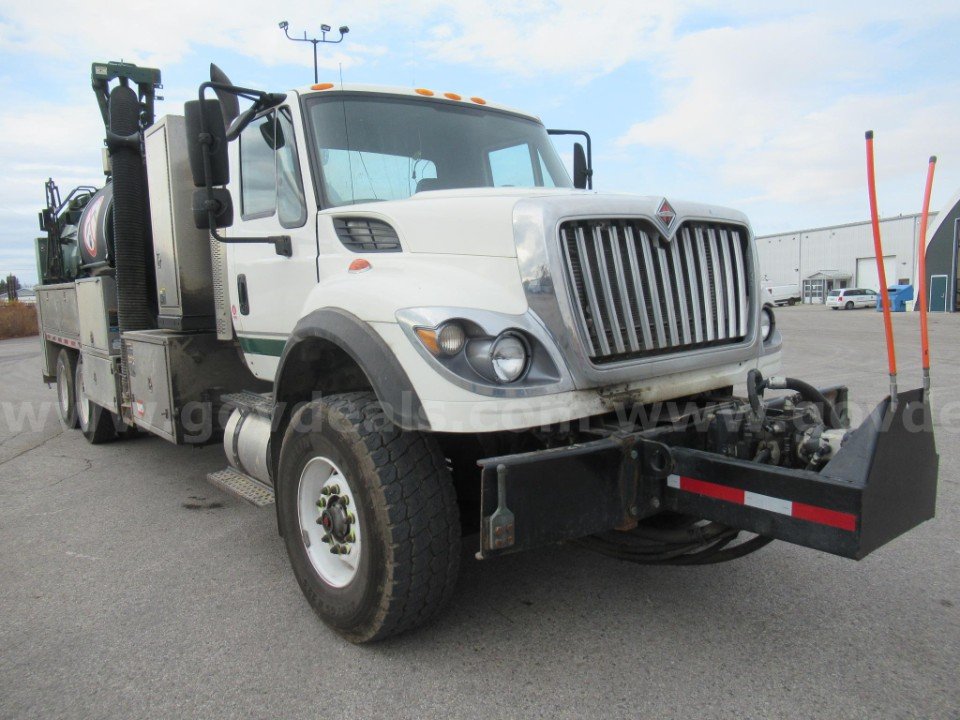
335,520
329,528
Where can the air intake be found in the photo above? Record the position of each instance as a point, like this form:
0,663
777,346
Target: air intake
364,235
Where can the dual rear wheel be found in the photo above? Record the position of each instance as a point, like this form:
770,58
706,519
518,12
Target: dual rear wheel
74,408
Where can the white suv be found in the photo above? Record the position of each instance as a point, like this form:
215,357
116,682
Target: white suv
850,298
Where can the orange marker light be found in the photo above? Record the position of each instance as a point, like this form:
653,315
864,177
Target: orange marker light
428,336
359,265
424,91
321,86
452,96
479,100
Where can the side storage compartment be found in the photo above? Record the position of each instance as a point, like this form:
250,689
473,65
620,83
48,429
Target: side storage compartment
97,304
185,292
59,323
101,379
177,381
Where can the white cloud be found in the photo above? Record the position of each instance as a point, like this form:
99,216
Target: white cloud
775,112
158,34
554,36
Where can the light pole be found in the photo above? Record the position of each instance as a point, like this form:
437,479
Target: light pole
324,29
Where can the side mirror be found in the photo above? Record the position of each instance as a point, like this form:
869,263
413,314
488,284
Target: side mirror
229,104
215,146
579,167
218,211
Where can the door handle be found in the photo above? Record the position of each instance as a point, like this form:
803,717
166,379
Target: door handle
242,295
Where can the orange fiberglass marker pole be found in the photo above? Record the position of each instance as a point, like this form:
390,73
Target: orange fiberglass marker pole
881,270
922,272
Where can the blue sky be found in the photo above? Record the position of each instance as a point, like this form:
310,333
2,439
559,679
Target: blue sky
757,105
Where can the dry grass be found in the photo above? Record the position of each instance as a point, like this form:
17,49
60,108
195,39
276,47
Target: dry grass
17,320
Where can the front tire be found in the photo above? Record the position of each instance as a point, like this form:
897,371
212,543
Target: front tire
369,518
96,422
66,371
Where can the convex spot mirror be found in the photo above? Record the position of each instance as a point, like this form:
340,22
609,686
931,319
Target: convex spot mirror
579,167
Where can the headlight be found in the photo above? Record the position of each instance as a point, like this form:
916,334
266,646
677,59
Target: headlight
451,338
447,340
508,355
767,323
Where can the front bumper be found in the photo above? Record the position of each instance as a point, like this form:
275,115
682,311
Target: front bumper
880,484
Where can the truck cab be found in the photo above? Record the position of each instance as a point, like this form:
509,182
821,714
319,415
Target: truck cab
409,210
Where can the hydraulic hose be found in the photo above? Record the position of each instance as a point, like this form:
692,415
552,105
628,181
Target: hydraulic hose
809,392
756,384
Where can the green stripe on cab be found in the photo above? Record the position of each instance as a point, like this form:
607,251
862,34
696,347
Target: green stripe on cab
262,346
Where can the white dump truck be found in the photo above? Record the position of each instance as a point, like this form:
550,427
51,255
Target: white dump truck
410,330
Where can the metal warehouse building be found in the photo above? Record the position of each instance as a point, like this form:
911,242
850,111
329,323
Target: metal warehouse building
821,259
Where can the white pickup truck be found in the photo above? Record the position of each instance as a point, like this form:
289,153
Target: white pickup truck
408,326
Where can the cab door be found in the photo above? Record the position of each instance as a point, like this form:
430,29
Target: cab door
268,289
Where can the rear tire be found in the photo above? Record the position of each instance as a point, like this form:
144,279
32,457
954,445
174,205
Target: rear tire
400,523
849,305
96,423
66,371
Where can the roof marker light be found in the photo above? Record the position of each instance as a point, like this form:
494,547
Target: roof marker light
321,86
452,96
424,91
479,100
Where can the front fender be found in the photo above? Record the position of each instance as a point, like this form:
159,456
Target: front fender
371,354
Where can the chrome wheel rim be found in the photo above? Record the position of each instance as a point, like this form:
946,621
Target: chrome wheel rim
83,409
329,526
63,391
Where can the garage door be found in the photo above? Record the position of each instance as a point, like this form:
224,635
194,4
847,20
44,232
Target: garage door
867,276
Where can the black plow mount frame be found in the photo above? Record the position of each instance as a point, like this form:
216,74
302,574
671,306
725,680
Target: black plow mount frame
880,484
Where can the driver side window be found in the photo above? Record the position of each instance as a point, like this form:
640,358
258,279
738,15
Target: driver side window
270,179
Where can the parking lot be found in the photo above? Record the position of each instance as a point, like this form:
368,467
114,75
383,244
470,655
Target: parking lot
130,587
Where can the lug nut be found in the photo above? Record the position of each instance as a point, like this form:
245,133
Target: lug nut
344,500
325,491
351,536
334,489
322,502
326,538
351,518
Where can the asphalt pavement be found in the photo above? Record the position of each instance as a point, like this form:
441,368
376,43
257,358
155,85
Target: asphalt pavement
131,588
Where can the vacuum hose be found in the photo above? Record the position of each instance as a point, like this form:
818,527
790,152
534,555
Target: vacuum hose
130,212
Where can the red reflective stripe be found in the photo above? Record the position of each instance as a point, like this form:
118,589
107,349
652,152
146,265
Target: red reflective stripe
833,518
721,492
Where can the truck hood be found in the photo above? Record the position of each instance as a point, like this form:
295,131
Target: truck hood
480,221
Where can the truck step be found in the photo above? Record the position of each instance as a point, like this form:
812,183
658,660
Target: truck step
242,486
260,404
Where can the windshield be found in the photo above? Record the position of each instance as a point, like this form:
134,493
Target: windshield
388,148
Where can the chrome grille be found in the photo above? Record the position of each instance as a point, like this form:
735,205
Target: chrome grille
637,294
